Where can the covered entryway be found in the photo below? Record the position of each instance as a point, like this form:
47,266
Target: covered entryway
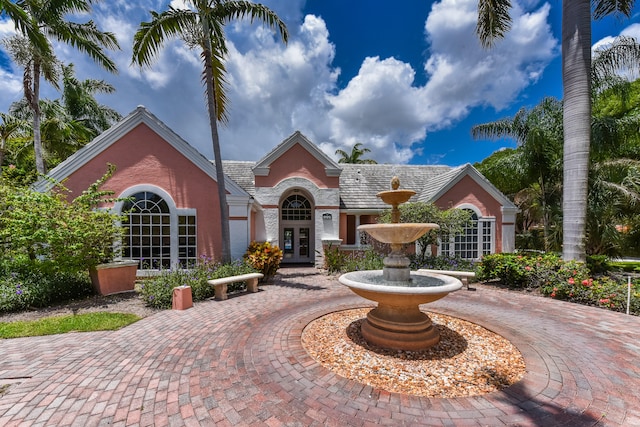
296,229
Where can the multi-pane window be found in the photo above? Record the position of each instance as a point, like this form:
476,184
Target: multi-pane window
476,239
487,237
445,244
466,243
187,241
296,208
150,233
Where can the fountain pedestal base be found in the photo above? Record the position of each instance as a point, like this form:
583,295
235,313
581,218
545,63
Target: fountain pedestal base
400,328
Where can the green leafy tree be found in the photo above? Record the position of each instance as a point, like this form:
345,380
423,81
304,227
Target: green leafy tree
10,127
71,236
60,134
67,123
201,26
357,151
494,21
37,20
78,98
614,175
450,222
537,161
505,171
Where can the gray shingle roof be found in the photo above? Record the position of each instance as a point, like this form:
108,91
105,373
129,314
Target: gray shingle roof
359,183
241,173
437,183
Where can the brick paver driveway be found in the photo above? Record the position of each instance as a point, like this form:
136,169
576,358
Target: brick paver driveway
240,362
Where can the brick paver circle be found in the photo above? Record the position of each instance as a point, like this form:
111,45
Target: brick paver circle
241,362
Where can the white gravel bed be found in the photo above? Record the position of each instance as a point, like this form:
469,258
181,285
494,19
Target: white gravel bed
469,359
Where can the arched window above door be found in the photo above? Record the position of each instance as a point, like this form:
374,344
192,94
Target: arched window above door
296,208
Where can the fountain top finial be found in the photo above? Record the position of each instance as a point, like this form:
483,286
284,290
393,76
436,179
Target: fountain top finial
395,183
395,196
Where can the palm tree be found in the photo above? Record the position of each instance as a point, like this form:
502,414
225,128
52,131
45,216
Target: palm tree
354,156
538,133
202,27
493,22
61,134
37,20
78,98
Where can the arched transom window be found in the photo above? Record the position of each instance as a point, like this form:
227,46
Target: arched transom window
156,236
296,208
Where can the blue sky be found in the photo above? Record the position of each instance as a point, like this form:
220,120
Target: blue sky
407,81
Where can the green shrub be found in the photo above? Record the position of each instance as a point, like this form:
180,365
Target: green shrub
511,269
598,264
334,259
605,292
25,283
625,266
264,257
234,269
367,259
74,235
158,291
565,280
529,270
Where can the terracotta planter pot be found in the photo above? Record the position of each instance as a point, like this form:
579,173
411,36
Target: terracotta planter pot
114,277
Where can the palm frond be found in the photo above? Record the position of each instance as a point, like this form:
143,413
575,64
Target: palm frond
237,9
602,8
151,36
219,84
622,55
494,20
88,40
25,24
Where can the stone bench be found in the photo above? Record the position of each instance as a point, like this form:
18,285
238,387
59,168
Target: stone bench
462,275
220,285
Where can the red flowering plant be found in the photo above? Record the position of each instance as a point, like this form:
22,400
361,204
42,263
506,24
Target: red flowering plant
606,292
565,280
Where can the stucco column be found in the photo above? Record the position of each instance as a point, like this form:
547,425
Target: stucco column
508,229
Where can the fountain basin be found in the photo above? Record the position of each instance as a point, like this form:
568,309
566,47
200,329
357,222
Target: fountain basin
397,321
395,197
397,233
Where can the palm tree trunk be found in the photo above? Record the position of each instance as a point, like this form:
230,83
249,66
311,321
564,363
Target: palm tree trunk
545,214
576,65
33,98
3,144
215,139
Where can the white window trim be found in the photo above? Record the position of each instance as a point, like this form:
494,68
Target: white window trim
174,213
481,220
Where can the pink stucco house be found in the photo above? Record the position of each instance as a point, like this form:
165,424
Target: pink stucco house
295,196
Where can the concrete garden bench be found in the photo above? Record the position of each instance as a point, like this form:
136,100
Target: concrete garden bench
220,285
462,275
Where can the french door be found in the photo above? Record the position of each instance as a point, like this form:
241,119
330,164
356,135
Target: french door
297,244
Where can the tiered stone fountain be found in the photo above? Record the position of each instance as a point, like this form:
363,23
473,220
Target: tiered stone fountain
397,321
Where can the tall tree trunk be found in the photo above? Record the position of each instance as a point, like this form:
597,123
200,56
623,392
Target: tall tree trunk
545,214
576,79
213,123
3,144
32,93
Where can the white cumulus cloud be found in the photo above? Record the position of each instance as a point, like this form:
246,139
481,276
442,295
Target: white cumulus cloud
276,89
